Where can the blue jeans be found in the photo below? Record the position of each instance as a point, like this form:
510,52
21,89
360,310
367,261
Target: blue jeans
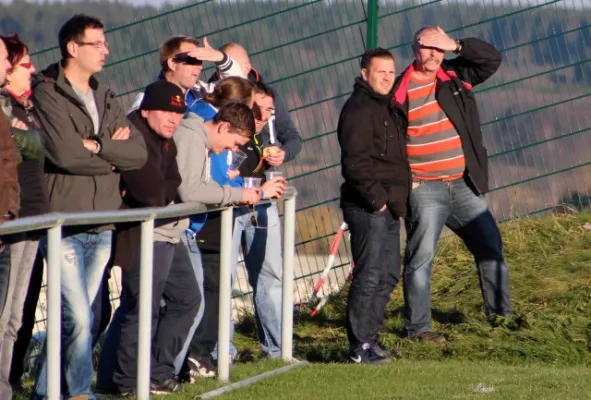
264,263
433,205
375,246
84,258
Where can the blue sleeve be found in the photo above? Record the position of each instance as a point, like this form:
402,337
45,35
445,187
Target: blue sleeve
219,171
203,109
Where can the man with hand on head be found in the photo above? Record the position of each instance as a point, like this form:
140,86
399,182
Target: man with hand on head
449,167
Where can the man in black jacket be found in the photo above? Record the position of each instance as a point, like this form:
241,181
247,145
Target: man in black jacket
373,198
156,185
450,171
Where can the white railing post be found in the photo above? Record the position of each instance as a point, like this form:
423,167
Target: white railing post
287,281
145,310
225,310
53,339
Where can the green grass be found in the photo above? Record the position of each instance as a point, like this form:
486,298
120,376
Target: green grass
547,354
421,380
550,270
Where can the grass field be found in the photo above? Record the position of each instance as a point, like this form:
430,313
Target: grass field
545,354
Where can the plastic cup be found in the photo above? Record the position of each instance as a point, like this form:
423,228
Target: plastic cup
238,158
252,182
273,174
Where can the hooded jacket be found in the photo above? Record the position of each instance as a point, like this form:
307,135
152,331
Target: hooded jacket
477,62
78,180
373,152
193,160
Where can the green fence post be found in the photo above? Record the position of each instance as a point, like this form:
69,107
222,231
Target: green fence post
372,24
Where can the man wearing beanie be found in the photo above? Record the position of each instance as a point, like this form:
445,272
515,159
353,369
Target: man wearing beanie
155,185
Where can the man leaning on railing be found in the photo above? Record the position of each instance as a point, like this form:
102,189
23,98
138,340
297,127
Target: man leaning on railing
87,142
155,185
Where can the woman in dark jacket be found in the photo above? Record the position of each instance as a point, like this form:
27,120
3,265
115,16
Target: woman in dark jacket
15,103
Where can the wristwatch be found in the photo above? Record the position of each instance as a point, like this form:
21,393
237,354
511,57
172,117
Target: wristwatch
458,46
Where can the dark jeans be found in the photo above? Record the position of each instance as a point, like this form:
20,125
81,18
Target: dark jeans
434,205
25,333
375,246
206,336
173,281
101,309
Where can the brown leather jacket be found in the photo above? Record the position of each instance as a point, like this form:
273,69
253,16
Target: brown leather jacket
9,195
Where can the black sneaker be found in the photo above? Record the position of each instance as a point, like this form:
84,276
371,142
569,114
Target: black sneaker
383,351
171,385
367,356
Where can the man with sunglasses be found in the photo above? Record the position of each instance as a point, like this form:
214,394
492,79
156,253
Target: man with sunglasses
449,168
181,59
87,142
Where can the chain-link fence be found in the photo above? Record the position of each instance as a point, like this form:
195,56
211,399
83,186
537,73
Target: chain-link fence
535,109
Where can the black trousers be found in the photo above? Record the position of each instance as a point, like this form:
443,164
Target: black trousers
25,333
174,281
206,335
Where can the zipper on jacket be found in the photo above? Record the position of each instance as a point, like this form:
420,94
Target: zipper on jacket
385,138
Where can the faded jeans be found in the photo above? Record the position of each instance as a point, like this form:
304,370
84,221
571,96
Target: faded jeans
84,258
22,257
433,205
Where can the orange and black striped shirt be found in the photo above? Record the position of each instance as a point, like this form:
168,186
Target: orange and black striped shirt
434,147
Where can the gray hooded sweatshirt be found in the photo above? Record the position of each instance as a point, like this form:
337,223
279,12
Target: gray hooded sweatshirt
192,142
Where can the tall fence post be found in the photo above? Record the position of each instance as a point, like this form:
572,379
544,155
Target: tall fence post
288,276
372,24
145,310
225,310
54,238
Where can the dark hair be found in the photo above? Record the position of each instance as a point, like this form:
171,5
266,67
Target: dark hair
73,30
172,47
15,47
229,90
240,118
263,88
370,54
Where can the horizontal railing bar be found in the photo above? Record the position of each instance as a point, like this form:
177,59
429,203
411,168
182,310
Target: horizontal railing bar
115,216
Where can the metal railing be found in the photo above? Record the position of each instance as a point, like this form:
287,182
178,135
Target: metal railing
54,223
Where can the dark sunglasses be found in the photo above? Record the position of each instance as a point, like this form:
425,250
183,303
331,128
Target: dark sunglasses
187,59
26,65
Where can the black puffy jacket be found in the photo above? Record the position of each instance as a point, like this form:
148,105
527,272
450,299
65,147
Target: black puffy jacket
373,152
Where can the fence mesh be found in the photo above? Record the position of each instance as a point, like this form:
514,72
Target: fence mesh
534,110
